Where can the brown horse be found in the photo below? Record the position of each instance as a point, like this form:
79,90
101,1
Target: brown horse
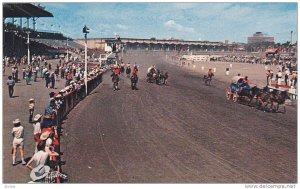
263,98
274,98
279,99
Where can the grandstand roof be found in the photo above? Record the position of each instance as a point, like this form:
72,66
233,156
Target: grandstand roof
272,51
23,10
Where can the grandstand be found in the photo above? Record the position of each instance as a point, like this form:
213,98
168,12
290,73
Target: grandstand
41,42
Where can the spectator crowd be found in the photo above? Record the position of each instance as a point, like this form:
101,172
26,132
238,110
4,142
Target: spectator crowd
45,164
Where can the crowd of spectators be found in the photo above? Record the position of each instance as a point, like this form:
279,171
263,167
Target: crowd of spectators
46,128
50,43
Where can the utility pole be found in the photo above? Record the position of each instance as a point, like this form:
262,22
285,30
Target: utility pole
67,50
85,31
28,50
291,37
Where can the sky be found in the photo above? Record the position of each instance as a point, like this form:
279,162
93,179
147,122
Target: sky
189,21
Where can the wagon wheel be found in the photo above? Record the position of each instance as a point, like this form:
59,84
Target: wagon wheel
235,97
228,94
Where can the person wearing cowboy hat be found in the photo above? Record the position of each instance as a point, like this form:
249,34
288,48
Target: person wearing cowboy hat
47,121
43,174
37,129
31,109
39,173
18,141
58,101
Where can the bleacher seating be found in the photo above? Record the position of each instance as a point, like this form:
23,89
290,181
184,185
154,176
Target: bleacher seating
15,42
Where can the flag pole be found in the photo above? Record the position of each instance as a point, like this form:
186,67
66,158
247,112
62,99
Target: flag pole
85,65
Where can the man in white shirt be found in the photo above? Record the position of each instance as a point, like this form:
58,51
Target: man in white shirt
286,76
278,77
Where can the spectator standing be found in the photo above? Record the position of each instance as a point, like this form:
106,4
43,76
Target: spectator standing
31,109
62,72
11,83
56,72
37,130
42,72
24,72
17,74
18,141
27,77
269,77
37,69
13,72
47,120
69,78
47,78
294,78
34,73
52,79
286,76
278,77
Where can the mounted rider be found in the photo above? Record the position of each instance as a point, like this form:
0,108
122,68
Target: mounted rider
115,78
210,73
151,69
128,70
134,79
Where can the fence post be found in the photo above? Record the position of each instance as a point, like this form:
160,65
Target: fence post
72,100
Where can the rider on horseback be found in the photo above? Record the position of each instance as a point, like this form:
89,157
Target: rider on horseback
115,78
210,73
207,79
134,79
128,70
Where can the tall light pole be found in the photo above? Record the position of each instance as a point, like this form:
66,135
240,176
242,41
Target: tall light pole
291,37
122,50
28,50
67,50
85,30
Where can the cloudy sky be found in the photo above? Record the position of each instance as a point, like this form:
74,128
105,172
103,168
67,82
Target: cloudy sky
188,21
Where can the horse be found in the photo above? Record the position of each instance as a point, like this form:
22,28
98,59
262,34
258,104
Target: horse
207,80
255,93
279,99
271,98
115,80
134,80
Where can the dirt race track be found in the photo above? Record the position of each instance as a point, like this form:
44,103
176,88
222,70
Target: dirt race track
182,133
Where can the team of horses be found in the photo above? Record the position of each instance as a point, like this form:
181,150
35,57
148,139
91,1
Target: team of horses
265,99
157,76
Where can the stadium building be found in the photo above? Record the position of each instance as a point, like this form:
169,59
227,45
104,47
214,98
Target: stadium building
259,37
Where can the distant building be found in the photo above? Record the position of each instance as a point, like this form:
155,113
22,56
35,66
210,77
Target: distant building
258,37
